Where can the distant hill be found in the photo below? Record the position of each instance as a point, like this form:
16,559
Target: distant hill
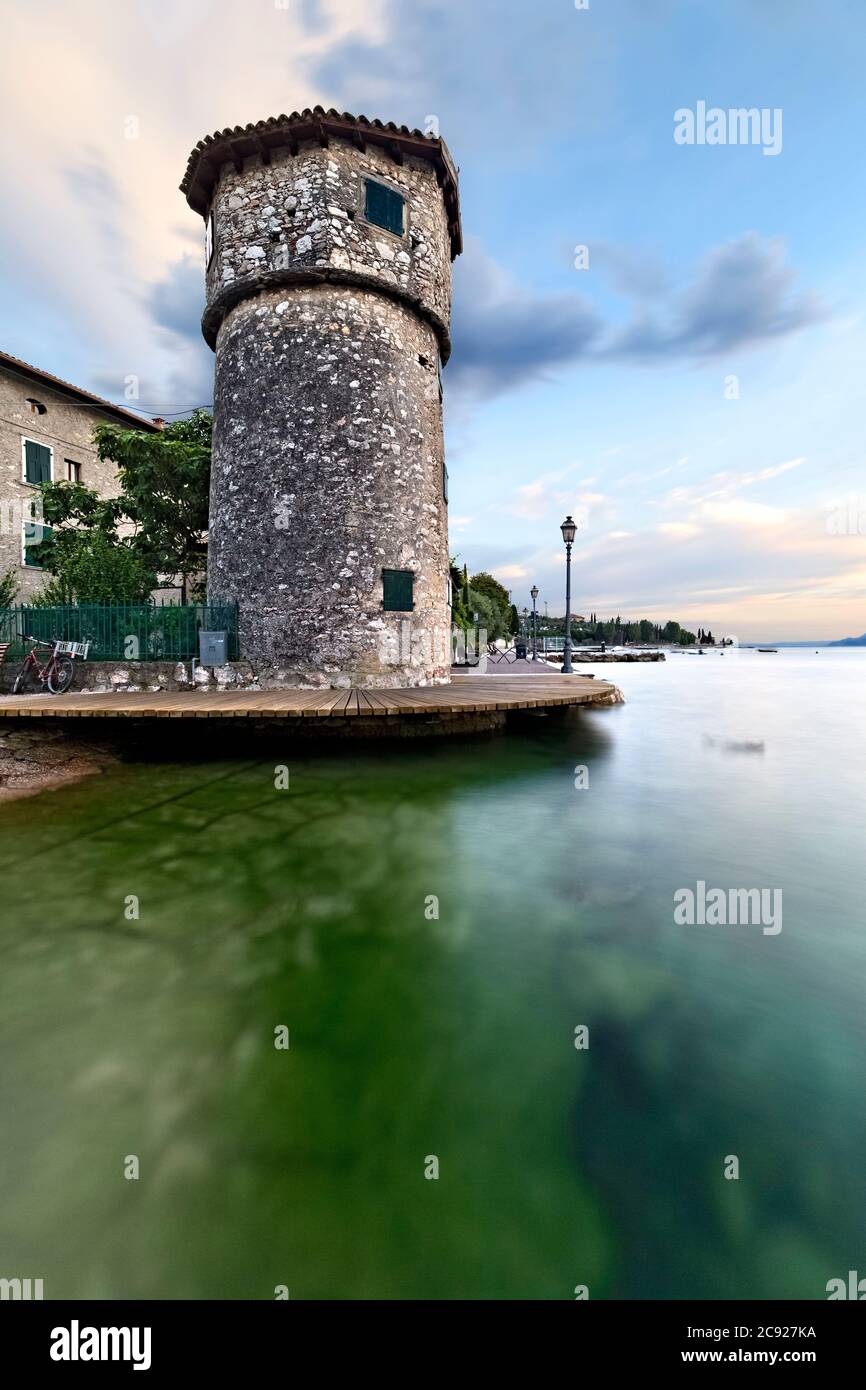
849,642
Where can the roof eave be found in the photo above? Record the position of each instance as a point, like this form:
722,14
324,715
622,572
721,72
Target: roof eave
242,142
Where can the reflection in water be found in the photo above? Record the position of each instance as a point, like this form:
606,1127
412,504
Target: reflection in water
413,1035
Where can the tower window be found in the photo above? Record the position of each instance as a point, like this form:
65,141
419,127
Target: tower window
398,591
444,481
36,407
208,239
36,462
384,208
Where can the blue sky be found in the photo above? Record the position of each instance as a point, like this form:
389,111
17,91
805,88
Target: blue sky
604,391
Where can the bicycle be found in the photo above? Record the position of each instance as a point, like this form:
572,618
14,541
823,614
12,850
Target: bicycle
58,673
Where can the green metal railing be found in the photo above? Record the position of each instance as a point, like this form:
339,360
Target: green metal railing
122,631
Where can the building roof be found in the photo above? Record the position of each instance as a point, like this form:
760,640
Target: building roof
239,143
76,393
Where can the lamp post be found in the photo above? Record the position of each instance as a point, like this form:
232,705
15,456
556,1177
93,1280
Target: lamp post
534,594
569,530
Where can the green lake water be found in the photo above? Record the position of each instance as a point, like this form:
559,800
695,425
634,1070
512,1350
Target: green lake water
453,1037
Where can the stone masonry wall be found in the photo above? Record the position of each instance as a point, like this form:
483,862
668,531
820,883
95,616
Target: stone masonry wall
327,468
328,462
67,428
306,211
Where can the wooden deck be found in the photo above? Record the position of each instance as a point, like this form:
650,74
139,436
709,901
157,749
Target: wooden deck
465,695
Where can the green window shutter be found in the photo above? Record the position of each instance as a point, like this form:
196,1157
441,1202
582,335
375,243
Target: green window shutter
384,207
397,591
37,462
34,535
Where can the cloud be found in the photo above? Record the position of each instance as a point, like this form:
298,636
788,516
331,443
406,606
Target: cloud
502,74
679,530
504,334
741,513
176,300
633,272
743,295
507,335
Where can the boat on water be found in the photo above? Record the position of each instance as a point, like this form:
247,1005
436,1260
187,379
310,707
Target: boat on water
768,649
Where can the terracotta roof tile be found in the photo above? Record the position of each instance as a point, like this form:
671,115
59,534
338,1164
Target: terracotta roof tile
239,142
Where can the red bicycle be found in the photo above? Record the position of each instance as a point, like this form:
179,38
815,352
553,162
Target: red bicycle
58,673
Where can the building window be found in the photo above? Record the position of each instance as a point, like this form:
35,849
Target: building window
33,534
384,208
444,480
397,591
36,462
73,471
208,239
36,407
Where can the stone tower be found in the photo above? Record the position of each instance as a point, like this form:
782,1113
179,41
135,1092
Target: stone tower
329,247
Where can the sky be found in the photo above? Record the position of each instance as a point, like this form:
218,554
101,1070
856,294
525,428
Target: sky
664,338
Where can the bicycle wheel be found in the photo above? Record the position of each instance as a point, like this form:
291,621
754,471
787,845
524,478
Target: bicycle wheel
22,680
61,675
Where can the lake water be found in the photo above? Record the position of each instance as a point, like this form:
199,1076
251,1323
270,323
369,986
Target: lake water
413,1037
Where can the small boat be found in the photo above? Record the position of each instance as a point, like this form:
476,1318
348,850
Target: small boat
768,649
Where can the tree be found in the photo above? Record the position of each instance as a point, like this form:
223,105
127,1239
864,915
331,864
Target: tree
164,480
8,588
513,621
460,614
489,617
92,567
499,600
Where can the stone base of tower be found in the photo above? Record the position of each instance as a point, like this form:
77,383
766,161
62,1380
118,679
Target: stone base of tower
327,478
376,653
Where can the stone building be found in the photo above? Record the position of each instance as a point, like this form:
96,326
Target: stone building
329,247
46,435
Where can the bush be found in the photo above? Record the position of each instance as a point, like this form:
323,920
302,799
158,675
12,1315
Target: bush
8,588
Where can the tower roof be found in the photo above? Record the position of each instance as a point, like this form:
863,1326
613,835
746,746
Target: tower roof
240,142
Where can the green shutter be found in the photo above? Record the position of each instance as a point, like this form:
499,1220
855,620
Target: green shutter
34,535
37,462
384,207
397,591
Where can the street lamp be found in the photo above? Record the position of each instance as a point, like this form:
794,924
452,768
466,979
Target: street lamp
534,593
569,530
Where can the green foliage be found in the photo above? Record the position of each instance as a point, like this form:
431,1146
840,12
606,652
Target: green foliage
164,480
513,621
467,601
117,549
92,566
616,631
8,588
459,612
489,617
498,603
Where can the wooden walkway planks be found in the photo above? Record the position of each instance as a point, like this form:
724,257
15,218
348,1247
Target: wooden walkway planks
466,694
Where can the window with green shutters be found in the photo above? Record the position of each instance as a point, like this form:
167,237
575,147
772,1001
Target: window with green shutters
398,590
384,207
34,535
37,462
